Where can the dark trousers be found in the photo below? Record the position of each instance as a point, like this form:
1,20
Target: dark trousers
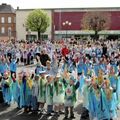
49,108
1,96
67,111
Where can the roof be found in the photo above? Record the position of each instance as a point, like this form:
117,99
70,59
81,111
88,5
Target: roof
4,8
76,9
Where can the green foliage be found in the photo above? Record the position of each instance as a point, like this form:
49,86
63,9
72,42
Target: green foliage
38,20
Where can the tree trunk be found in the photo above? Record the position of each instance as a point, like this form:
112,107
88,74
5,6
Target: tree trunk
96,34
39,35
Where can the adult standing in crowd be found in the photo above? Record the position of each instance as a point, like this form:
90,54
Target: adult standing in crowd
44,57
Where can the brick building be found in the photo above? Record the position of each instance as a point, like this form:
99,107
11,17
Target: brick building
74,17
7,22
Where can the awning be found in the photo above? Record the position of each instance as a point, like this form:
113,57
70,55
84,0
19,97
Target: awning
88,32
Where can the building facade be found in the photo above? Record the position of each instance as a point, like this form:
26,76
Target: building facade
23,33
7,22
74,18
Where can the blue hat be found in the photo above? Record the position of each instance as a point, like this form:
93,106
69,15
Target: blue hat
42,72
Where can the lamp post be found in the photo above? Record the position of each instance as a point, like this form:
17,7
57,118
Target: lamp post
66,23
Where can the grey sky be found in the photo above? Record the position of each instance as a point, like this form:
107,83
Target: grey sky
24,4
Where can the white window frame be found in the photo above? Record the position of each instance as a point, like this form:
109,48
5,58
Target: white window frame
2,30
9,20
2,19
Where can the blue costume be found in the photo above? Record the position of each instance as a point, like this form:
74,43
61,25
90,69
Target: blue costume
118,92
82,82
6,89
3,68
16,92
13,66
80,67
97,105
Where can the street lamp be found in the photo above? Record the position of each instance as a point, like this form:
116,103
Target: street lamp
66,23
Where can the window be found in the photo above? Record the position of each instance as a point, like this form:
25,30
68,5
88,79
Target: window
2,20
9,19
2,30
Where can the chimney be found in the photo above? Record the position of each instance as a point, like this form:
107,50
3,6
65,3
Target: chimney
4,4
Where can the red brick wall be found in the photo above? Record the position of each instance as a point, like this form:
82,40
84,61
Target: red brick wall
75,19
6,24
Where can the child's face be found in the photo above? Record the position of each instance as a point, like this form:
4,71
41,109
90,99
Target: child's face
6,75
48,79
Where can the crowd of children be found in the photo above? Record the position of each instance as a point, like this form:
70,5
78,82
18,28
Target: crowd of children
93,70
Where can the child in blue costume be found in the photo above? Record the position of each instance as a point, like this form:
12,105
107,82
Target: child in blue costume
70,96
85,68
97,103
28,92
110,101
80,67
85,92
15,90
113,83
4,67
82,81
13,66
21,98
118,88
6,88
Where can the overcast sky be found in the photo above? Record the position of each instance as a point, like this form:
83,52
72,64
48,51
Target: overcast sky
24,4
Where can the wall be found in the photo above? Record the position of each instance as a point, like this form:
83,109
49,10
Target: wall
76,16
7,25
21,16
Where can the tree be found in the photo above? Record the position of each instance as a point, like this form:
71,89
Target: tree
96,21
39,21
